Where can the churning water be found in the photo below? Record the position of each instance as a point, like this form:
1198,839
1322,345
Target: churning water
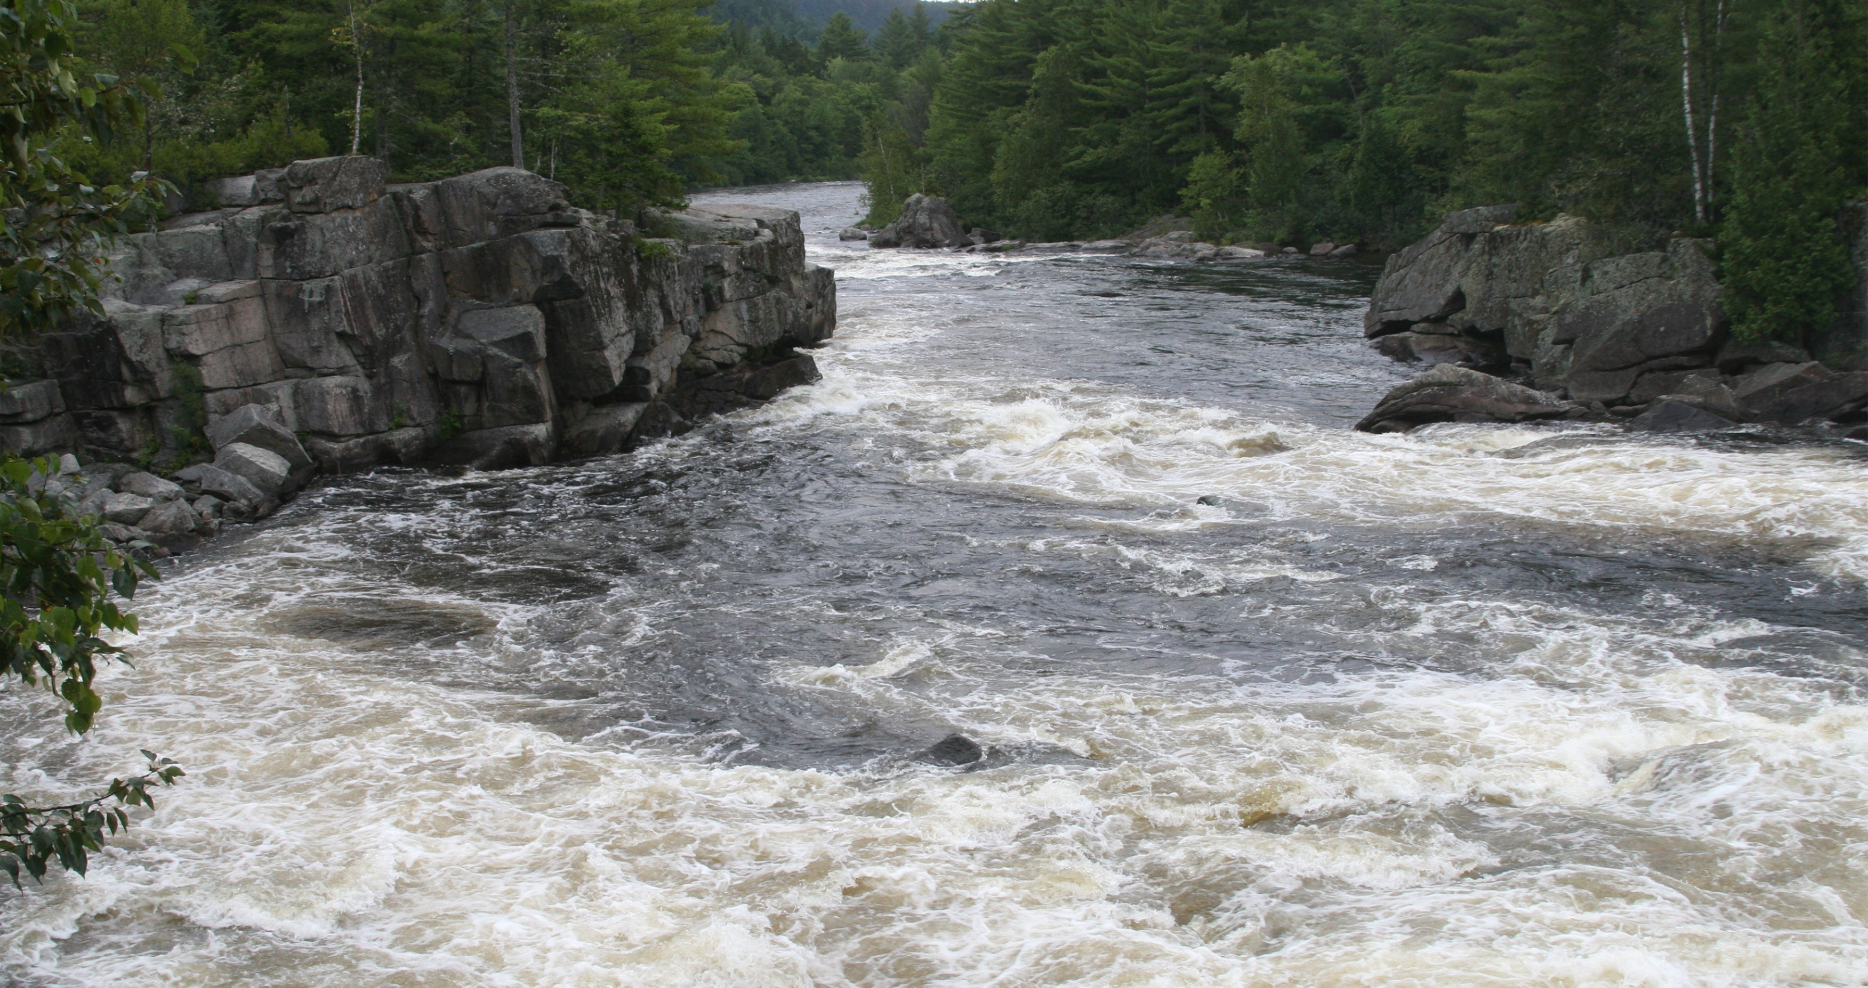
1265,701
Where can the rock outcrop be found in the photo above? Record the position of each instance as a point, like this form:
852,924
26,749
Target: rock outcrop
926,221
1635,336
328,321
1449,393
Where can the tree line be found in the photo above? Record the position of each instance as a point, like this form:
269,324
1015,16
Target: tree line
615,98
1294,121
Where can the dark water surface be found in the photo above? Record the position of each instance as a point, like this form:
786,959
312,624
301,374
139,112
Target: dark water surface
1264,700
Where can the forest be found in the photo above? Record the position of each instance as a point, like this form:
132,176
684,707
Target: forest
1262,120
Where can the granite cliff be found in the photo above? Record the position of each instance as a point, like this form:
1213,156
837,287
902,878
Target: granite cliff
478,320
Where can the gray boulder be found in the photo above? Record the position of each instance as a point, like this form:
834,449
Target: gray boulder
22,403
124,509
258,425
1449,393
229,487
151,486
265,470
852,233
170,518
1678,416
1741,356
1791,393
926,221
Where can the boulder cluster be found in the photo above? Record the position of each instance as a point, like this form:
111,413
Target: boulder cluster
320,320
1525,321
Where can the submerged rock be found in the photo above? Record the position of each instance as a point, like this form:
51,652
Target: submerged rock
954,749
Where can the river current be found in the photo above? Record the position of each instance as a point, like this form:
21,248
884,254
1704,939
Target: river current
1265,701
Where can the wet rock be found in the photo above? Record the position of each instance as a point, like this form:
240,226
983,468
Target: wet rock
169,518
1449,393
1107,247
980,236
1792,393
1743,356
500,448
228,487
1345,251
405,447
926,221
1322,249
1707,393
208,506
258,425
1239,253
1443,348
1678,416
268,472
954,749
852,233
177,543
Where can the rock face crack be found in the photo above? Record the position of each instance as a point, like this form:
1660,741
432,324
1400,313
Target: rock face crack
477,320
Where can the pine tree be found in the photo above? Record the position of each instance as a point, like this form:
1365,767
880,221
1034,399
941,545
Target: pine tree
901,41
1782,263
842,39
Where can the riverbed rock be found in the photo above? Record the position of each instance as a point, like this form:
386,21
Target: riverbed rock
954,750
267,471
226,486
1678,416
926,221
258,425
169,518
852,233
1450,393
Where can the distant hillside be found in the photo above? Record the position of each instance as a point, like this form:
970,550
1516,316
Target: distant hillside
805,18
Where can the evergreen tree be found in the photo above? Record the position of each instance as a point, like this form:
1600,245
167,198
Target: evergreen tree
842,39
1783,265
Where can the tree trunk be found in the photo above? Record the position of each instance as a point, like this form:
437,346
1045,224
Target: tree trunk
356,120
512,92
1692,129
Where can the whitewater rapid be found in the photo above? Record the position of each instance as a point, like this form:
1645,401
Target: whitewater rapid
1266,701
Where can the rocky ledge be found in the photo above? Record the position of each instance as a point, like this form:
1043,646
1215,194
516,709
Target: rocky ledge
323,322
1534,321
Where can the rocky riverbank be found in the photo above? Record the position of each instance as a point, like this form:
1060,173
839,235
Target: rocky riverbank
1528,321
929,222
321,321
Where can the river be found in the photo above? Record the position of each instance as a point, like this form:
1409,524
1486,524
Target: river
1265,701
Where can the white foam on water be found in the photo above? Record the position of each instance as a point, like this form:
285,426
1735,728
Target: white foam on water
1090,442
1571,798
